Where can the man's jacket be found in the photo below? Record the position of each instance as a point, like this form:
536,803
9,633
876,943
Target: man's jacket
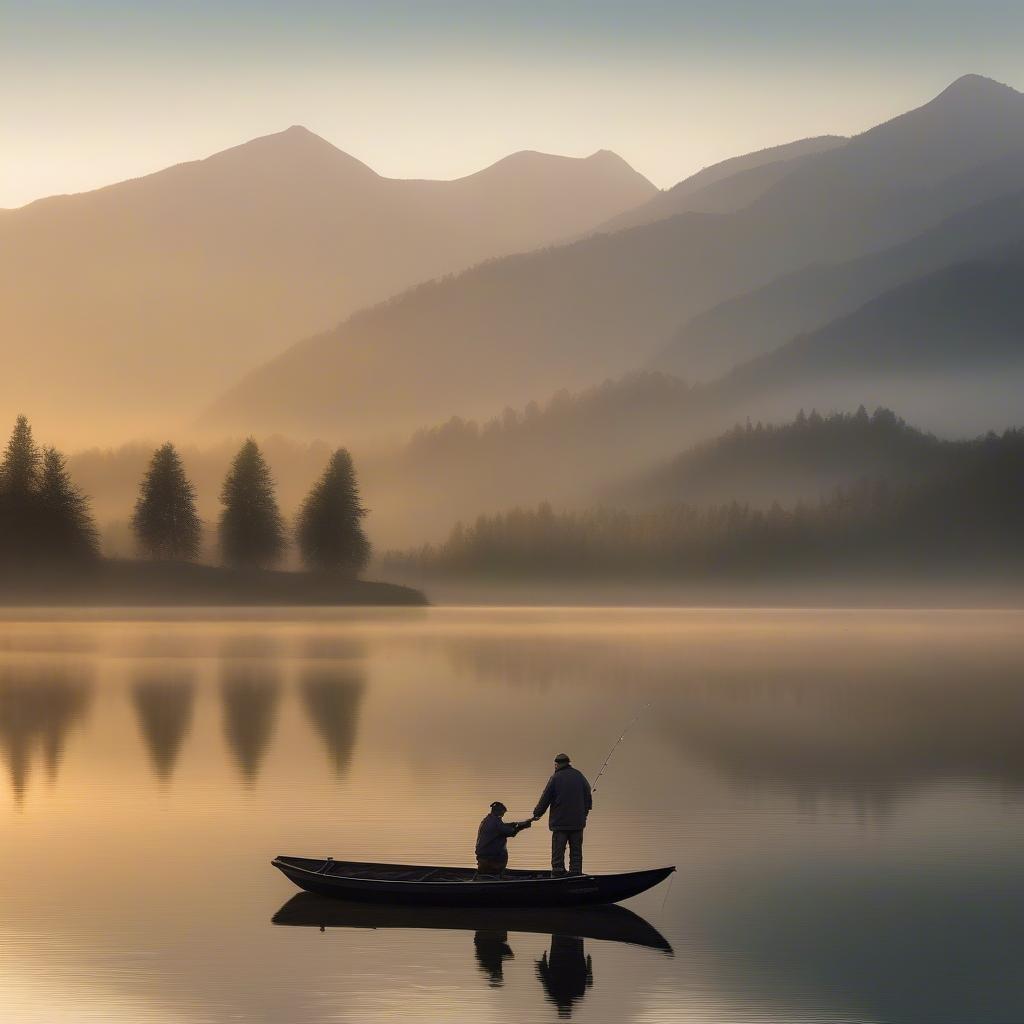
492,837
568,795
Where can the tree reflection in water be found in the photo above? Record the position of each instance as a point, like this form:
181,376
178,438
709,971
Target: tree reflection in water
848,709
163,699
332,687
39,705
251,693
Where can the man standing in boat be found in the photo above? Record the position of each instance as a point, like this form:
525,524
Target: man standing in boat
567,794
492,840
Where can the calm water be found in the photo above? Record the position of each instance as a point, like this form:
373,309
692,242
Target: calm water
843,794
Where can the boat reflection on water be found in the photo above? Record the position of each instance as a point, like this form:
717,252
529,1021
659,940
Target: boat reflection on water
565,970
609,924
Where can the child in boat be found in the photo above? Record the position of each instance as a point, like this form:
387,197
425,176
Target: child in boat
492,837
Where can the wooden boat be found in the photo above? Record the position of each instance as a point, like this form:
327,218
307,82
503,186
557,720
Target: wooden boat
609,924
412,884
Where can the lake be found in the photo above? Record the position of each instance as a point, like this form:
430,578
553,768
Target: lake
842,793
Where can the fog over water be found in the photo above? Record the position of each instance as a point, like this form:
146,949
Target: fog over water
841,791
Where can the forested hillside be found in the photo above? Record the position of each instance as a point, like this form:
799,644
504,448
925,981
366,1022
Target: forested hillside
965,521
802,459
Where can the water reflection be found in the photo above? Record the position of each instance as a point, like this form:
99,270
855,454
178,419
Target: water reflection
332,692
251,695
609,924
565,971
913,915
492,950
889,941
39,705
866,738
868,717
163,699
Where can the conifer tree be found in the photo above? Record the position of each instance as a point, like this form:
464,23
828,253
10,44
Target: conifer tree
329,530
66,525
165,521
251,527
19,484
19,472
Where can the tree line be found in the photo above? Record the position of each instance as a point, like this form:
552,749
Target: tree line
880,441
45,518
759,461
594,411
971,516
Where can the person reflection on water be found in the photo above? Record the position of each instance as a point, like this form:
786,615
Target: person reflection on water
566,973
492,950
492,838
568,796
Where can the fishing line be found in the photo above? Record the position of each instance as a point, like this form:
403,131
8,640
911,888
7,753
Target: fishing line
671,879
636,717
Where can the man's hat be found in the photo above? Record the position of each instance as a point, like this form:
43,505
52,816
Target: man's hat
562,758
497,804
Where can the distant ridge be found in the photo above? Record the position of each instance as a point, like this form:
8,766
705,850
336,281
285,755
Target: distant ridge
947,347
149,296
759,321
727,186
295,148
942,137
570,316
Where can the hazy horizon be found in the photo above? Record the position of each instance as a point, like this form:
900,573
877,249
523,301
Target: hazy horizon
114,92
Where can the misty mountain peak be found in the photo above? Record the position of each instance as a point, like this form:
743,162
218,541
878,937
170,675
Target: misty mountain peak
530,165
296,145
610,163
973,121
972,104
300,136
975,89
536,158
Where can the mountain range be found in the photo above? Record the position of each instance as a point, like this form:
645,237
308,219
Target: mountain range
156,293
571,315
880,269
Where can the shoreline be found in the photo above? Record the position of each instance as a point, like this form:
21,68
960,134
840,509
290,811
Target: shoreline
781,594
126,583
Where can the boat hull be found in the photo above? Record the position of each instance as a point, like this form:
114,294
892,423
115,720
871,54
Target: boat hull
458,887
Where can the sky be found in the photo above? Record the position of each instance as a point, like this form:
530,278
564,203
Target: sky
96,91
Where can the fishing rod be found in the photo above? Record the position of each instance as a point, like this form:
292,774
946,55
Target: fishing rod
636,718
